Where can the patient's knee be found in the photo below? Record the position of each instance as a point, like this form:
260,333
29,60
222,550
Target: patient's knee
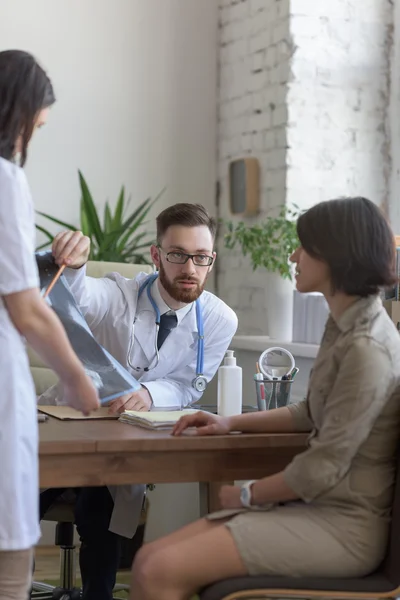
150,565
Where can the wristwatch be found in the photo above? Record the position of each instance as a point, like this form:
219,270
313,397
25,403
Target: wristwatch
245,493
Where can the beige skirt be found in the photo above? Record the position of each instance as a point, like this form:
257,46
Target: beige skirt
301,540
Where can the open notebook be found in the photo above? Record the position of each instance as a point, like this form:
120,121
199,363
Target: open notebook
156,419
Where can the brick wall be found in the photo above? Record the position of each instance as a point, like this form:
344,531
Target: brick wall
338,98
255,48
304,86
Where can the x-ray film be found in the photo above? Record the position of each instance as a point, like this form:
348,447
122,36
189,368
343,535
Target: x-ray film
109,377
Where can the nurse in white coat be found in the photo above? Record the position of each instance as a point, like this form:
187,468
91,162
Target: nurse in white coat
173,370
25,96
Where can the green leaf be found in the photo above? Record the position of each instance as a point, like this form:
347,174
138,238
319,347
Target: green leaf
119,209
84,221
268,243
57,221
46,232
134,221
108,220
90,211
45,245
120,238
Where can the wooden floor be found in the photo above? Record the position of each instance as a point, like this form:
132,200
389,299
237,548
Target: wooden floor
47,563
47,566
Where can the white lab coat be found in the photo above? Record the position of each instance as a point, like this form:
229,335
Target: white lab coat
19,528
110,306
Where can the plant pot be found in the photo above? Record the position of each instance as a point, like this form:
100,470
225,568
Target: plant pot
279,307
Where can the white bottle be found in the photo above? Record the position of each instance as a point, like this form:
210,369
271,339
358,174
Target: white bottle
229,387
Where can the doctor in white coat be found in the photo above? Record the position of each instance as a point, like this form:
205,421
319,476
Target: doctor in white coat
169,333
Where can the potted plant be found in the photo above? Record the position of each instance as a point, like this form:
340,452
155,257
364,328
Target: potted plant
120,238
269,243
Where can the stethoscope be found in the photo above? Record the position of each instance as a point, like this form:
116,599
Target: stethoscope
199,382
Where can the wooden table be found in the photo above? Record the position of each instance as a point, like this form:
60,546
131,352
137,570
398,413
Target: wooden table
94,452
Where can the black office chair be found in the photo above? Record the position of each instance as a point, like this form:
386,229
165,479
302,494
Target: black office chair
62,512
383,583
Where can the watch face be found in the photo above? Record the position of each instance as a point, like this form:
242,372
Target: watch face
245,496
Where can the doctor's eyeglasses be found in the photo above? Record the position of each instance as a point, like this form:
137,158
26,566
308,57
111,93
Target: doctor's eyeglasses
180,258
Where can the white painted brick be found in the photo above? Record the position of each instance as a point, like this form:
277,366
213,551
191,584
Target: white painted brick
279,116
262,22
228,147
279,74
276,93
257,81
225,111
260,122
225,15
257,6
235,127
280,31
239,11
319,132
243,105
280,138
276,179
233,51
257,141
271,57
235,108
259,101
278,158
263,159
231,32
258,60
269,139
284,50
275,197
246,141
259,41
283,8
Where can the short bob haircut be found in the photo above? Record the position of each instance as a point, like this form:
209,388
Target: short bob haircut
353,237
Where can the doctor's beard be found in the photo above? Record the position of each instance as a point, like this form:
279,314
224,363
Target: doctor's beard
177,293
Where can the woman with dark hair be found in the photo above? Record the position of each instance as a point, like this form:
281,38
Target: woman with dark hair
25,97
327,514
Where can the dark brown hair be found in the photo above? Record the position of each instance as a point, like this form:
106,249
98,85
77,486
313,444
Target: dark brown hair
25,90
354,238
188,215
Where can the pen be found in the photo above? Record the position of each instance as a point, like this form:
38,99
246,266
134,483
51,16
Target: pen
260,391
261,379
273,399
54,281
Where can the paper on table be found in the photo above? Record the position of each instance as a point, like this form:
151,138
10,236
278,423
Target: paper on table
66,413
155,419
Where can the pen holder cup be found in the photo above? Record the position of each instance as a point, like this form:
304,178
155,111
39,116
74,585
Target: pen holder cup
272,393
